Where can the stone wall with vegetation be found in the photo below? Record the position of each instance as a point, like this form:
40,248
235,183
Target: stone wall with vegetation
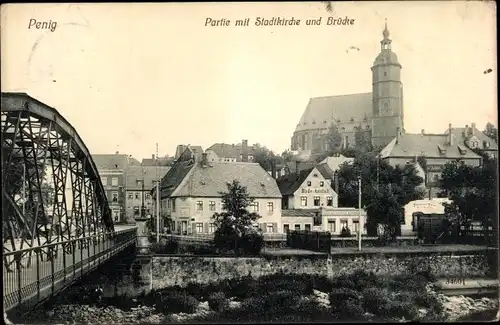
170,271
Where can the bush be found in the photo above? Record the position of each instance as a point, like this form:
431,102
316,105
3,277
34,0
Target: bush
338,296
252,243
176,302
375,300
345,232
169,247
298,283
218,301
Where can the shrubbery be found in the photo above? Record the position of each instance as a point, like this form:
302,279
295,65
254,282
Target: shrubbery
176,302
218,301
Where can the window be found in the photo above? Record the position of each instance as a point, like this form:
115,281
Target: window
148,197
104,181
173,205
270,207
130,196
199,227
211,205
286,228
355,224
255,206
297,227
316,201
303,201
114,196
222,207
199,206
116,214
343,224
307,227
211,228
270,228
168,204
137,195
114,181
308,183
321,184
329,201
331,226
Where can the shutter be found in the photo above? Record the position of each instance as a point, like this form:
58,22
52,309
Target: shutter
275,227
205,226
261,226
193,227
264,225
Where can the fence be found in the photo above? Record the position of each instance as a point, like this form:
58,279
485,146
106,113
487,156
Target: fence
366,241
310,240
36,273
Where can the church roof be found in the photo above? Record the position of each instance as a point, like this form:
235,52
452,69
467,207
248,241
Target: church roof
353,108
429,145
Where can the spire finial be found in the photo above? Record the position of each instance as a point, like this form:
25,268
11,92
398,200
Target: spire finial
386,31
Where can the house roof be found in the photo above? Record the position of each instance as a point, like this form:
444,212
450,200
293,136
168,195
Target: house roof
321,110
116,161
325,170
303,165
148,173
176,174
335,162
224,150
289,183
211,179
463,134
198,150
412,145
299,213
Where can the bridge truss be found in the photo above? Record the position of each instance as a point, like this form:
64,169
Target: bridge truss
51,189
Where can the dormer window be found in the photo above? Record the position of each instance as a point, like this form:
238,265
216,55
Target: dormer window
442,150
486,144
462,150
309,183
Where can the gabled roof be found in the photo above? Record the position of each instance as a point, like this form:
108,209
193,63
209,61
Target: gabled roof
429,145
303,165
224,150
213,178
335,162
148,173
463,134
113,161
181,168
289,183
321,110
325,170
198,150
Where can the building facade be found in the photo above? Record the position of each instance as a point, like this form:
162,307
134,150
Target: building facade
190,193
378,114
112,170
141,180
223,152
475,139
438,149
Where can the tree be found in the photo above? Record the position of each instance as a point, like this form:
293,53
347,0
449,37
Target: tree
287,156
235,227
385,190
363,140
333,138
491,131
263,156
472,190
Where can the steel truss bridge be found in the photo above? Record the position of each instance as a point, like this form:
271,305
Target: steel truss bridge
57,224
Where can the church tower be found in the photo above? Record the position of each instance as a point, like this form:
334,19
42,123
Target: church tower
387,94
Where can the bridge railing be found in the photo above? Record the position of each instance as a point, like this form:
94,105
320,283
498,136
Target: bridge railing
39,272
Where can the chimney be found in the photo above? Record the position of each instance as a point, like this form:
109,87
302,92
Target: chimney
398,134
117,152
473,129
153,156
204,161
450,135
422,132
244,152
273,168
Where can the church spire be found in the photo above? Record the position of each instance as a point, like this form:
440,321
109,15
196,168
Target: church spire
386,42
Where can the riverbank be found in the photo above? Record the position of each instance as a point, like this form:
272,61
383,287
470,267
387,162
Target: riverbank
362,296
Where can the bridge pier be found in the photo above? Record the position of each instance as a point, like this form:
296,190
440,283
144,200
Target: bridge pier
143,233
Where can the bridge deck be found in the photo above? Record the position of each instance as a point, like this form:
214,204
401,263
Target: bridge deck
32,279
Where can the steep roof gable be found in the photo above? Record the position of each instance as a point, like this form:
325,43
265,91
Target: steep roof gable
344,108
289,183
210,180
179,171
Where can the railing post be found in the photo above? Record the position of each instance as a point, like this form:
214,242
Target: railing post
64,260
51,256
19,284
37,252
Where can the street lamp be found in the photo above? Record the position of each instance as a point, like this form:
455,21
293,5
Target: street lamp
360,216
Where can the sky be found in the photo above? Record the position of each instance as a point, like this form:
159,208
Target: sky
128,76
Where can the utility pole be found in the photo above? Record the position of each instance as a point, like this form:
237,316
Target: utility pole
157,197
360,216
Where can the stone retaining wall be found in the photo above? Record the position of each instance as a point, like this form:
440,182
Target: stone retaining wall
169,271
